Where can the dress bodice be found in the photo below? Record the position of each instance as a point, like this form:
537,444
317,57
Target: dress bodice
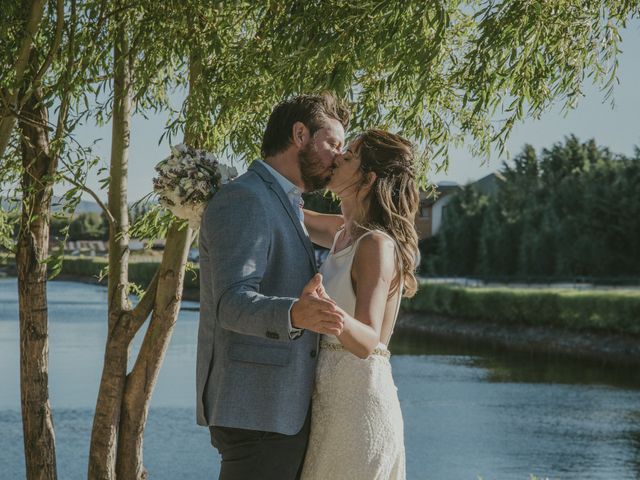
336,273
357,430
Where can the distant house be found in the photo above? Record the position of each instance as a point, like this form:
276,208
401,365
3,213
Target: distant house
429,216
431,211
490,184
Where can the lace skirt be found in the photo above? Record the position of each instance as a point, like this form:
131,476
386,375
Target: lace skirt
356,422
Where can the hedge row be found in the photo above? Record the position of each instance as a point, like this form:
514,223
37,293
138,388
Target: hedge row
615,311
140,273
611,311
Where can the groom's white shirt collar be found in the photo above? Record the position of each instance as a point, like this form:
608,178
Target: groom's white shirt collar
293,193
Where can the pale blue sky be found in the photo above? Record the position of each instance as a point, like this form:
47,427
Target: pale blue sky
617,128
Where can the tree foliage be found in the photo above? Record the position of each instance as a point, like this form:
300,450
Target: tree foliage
571,211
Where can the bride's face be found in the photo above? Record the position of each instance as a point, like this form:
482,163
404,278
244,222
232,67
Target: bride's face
346,174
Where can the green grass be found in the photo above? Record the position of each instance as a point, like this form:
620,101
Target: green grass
612,311
616,311
140,271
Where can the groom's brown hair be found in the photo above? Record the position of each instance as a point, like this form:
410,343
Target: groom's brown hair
312,110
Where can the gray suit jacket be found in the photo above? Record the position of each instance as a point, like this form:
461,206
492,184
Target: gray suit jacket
255,260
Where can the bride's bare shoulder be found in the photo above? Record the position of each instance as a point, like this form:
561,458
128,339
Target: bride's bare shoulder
375,254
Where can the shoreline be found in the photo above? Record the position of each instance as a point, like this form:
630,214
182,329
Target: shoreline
600,348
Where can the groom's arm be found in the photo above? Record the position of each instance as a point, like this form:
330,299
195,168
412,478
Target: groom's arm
237,235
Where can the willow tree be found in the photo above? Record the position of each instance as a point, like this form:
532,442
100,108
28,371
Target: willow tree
141,71
42,46
438,72
442,73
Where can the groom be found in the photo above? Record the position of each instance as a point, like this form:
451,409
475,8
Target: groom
260,315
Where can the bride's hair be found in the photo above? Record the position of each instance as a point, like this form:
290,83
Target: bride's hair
392,201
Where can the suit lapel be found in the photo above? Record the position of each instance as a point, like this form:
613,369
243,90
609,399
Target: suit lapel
275,187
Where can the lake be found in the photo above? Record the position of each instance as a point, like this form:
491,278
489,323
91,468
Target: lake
468,412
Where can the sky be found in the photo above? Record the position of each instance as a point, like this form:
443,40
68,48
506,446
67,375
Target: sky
616,127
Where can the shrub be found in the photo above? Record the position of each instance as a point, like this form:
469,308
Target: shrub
615,311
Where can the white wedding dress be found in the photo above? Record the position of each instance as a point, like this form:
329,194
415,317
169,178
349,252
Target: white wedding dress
356,422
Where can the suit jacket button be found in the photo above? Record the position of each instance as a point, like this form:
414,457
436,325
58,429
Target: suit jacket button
313,354
273,335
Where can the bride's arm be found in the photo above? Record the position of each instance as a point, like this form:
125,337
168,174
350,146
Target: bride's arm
322,227
372,272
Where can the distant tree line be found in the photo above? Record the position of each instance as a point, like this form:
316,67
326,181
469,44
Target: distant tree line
573,210
88,225
84,226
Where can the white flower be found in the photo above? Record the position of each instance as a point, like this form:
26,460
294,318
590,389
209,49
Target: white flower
179,150
186,181
227,173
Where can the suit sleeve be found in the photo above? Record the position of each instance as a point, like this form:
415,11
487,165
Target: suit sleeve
236,233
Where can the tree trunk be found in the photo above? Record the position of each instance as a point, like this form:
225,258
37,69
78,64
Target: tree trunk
103,449
123,400
9,105
141,381
32,249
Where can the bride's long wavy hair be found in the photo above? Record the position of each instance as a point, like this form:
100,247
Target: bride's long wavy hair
392,202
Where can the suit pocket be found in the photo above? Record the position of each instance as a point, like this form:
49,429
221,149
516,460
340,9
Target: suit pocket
264,354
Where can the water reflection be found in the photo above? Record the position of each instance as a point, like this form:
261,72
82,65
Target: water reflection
513,414
634,440
516,367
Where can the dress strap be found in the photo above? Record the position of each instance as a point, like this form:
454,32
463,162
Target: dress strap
335,240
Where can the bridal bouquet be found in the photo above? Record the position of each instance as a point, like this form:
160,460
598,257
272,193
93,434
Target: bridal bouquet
187,179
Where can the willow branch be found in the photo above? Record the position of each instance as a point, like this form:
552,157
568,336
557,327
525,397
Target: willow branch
33,23
30,120
11,96
95,197
64,104
57,40
96,32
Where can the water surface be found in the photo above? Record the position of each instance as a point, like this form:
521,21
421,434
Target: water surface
468,412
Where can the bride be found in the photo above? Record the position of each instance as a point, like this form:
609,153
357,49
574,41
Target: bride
356,425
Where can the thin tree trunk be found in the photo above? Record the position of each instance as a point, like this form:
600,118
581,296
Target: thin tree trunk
141,381
104,435
32,249
10,104
123,401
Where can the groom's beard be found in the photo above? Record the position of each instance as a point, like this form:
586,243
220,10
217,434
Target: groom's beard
315,175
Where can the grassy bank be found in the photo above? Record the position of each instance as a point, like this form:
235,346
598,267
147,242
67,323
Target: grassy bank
610,311
614,311
140,271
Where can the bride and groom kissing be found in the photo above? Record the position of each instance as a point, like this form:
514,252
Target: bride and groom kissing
293,373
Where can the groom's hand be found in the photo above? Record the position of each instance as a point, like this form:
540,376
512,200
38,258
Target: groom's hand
315,311
315,288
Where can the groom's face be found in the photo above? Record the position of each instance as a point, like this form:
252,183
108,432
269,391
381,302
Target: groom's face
318,156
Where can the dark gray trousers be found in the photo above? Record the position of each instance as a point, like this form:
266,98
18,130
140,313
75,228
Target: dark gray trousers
257,455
